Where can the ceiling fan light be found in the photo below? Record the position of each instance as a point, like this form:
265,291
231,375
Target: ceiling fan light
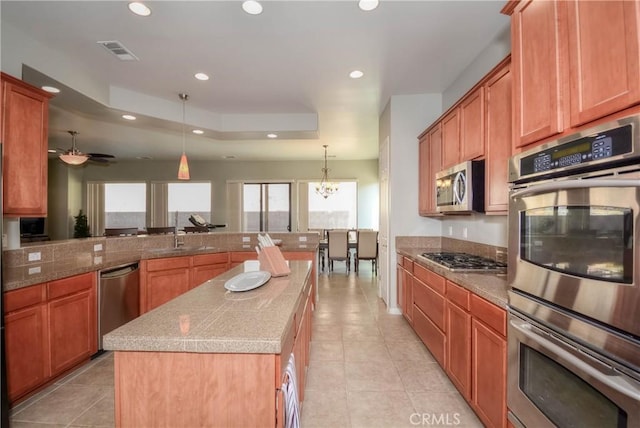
183,169
72,159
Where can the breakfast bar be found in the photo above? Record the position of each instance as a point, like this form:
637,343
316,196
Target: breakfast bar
213,357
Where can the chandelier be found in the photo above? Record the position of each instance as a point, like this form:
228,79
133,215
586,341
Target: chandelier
326,187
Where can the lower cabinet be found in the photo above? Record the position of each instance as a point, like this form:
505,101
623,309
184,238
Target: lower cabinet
207,266
49,329
405,287
162,280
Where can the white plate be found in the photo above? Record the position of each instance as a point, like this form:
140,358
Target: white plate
247,281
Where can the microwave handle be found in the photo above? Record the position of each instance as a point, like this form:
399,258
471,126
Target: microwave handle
615,382
459,187
573,184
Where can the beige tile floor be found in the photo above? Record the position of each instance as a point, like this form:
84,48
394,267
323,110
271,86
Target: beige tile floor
367,369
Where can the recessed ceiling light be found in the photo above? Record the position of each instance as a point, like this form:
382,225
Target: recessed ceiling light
51,89
252,7
139,8
198,131
228,157
367,5
128,117
272,135
356,74
201,76
51,151
144,157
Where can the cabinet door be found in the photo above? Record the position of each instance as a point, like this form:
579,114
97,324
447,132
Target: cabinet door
499,134
400,289
459,348
162,286
451,139
25,127
425,188
489,367
536,49
408,296
472,126
72,328
435,164
27,350
201,274
604,73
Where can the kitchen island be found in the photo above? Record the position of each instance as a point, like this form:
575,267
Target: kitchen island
212,357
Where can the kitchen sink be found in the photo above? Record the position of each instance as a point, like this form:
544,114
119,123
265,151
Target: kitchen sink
182,249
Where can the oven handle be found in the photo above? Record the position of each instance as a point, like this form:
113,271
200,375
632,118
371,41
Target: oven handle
573,184
617,383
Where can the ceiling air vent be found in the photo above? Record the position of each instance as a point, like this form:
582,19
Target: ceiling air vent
118,49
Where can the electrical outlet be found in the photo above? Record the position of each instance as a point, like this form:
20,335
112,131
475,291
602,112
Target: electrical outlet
97,247
97,260
302,239
34,257
34,270
450,230
246,246
246,239
464,232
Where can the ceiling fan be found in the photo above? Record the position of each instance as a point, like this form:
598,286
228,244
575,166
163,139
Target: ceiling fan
73,156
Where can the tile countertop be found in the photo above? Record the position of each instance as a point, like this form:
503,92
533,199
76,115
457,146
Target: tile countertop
210,319
490,286
24,275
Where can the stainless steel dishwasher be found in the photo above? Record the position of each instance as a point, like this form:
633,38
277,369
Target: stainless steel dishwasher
118,298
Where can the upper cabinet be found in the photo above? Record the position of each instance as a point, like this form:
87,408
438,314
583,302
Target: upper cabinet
573,62
430,162
25,120
451,139
472,125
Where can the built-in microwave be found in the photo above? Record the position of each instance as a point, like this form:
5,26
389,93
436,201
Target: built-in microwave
460,189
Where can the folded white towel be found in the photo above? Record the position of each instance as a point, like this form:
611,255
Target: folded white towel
291,401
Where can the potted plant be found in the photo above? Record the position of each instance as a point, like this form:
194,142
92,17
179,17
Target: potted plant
81,228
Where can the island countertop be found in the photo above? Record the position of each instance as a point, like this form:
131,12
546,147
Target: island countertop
211,319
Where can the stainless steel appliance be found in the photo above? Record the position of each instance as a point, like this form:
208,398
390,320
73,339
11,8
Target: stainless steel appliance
460,189
463,262
118,298
574,299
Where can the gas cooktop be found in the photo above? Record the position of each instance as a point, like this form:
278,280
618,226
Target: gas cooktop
463,262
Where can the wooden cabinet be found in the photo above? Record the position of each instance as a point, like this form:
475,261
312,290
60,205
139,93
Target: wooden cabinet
208,266
405,287
238,257
489,362
574,62
72,321
472,137
162,280
25,121
499,136
604,56
50,328
26,340
430,163
451,139
458,330
429,311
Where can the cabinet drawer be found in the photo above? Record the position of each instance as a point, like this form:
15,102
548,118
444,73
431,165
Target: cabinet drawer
407,263
242,256
490,314
430,278
168,263
430,335
458,295
430,303
210,259
71,285
24,297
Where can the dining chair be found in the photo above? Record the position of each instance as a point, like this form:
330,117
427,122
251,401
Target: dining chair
120,231
367,249
161,230
338,248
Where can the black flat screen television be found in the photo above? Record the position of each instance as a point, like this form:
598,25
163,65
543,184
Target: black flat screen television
31,226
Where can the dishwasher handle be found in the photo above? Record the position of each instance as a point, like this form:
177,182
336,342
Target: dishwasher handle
118,271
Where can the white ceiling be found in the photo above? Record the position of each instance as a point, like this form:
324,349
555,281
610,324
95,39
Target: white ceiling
284,71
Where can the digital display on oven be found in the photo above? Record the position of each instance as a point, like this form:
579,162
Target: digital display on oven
604,145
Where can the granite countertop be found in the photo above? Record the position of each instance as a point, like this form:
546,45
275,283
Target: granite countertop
490,286
24,275
210,319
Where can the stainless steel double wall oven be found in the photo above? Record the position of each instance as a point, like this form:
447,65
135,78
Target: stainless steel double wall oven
574,277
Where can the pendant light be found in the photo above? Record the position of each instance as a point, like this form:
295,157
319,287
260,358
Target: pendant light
326,187
183,169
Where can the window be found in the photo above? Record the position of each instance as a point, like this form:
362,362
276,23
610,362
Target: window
125,205
266,207
184,199
338,211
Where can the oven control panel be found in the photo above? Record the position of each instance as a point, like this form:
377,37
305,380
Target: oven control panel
592,148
